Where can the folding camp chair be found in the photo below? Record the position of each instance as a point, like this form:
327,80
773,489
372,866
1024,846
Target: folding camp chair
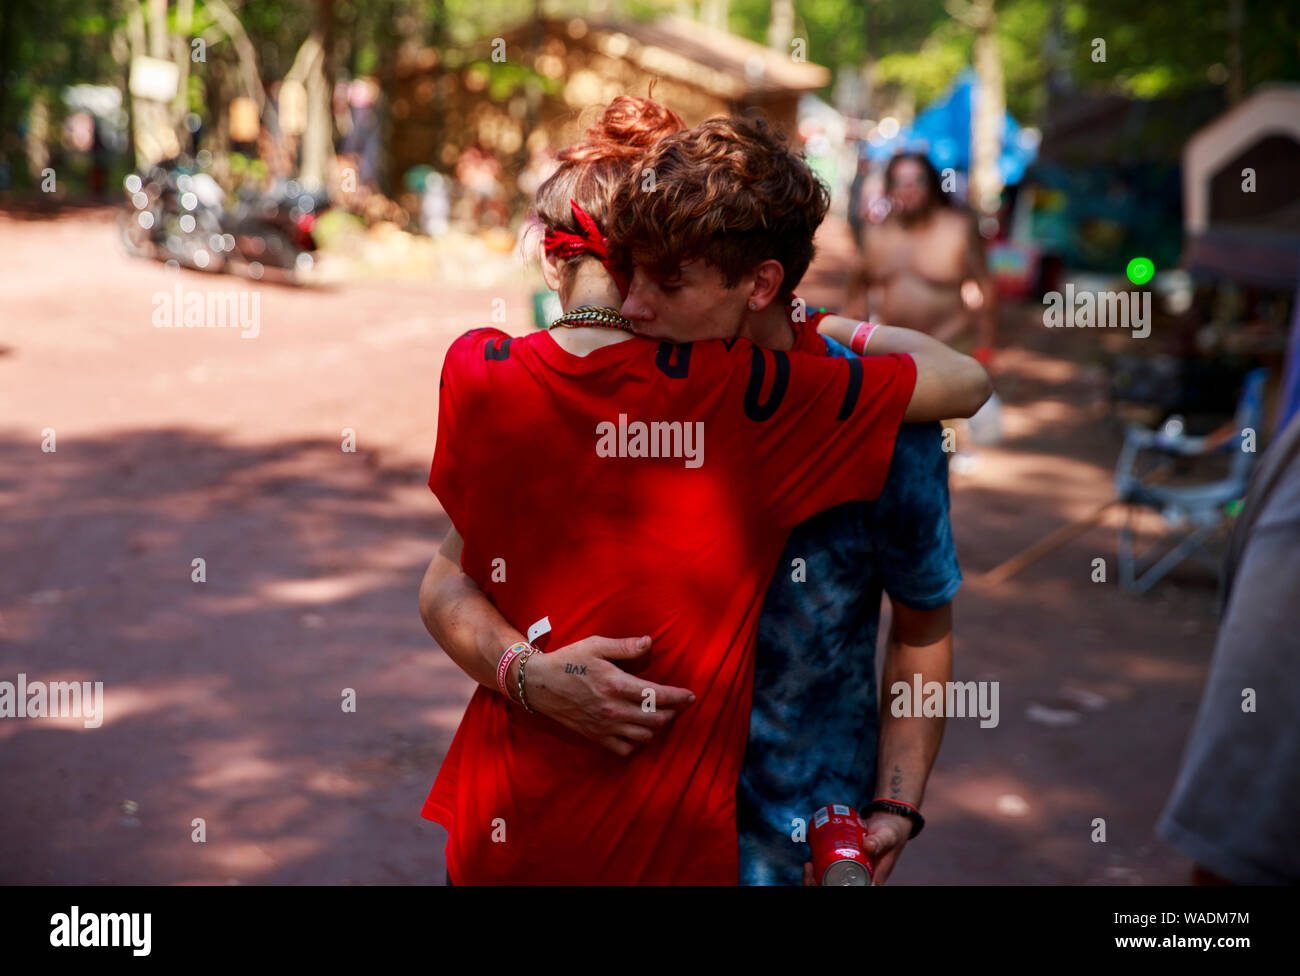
1197,510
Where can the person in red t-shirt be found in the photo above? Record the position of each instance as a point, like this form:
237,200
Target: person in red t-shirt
609,483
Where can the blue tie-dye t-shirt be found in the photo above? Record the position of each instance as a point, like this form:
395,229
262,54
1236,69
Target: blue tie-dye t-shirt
815,723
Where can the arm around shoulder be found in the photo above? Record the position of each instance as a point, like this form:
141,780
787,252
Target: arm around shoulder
948,384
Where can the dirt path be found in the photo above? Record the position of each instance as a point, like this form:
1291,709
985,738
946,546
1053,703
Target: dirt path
223,697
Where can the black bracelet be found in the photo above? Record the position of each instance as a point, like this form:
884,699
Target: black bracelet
903,810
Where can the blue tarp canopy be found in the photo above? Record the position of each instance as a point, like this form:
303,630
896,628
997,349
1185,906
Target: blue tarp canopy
942,132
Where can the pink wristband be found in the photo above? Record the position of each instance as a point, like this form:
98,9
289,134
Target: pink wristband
503,666
861,336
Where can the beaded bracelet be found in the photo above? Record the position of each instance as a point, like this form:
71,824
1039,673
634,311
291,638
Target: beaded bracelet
503,666
861,336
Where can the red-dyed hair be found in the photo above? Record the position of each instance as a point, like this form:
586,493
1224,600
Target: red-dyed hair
590,171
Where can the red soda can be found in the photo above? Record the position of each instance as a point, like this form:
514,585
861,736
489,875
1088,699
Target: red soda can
836,841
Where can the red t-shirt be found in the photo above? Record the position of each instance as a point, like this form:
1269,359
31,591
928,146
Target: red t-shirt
544,467
806,337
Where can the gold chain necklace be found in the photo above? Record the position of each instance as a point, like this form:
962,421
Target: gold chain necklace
593,315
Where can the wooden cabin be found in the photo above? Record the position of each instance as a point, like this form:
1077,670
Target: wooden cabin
544,79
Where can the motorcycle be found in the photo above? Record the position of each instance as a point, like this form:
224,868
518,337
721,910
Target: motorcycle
175,213
275,229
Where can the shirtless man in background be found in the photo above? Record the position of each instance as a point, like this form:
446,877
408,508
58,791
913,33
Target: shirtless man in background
923,266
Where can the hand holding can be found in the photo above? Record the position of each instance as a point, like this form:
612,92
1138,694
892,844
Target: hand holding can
837,847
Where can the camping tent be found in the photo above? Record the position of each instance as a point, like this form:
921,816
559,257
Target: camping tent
942,131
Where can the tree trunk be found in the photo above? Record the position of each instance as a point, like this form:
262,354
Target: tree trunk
713,13
155,139
988,111
1236,25
780,26
310,67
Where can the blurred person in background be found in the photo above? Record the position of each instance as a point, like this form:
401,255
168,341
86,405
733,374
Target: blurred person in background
479,174
922,266
363,140
1236,801
435,204
541,164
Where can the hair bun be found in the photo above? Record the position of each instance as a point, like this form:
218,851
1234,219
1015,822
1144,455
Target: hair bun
626,128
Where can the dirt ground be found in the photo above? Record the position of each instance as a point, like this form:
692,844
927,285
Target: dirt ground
222,698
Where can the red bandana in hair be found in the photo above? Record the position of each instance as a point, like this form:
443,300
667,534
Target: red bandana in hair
590,241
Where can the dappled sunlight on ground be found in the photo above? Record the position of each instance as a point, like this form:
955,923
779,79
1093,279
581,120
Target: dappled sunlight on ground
224,699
